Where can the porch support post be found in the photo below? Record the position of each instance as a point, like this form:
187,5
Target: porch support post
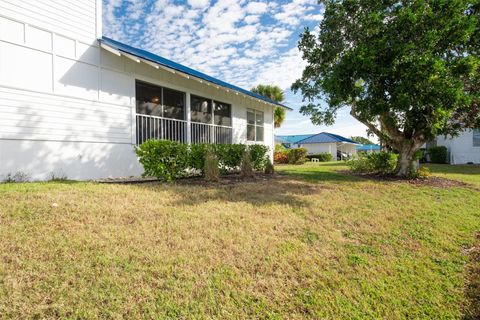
188,117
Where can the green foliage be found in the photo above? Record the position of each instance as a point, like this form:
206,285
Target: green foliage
408,70
246,168
377,162
211,169
297,156
163,159
196,159
279,148
229,156
276,94
170,160
422,173
322,157
438,154
361,140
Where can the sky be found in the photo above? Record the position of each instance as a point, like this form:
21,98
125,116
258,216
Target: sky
241,42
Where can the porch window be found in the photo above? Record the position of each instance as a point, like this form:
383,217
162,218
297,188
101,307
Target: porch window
158,101
160,113
222,114
201,109
476,137
255,127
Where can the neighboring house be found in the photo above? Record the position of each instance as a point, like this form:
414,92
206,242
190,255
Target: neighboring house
290,141
368,148
339,147
462,149
76,103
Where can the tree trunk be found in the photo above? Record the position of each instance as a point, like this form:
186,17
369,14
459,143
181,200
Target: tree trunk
406,163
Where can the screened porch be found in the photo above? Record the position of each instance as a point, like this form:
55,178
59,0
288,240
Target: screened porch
163,113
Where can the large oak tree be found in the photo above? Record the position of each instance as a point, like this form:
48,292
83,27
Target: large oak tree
408,70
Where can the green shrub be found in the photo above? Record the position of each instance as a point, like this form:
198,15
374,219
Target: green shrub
169,160
229,156
211,170
322,157
377,162
258,156
163,159
438,154
196,158
297,156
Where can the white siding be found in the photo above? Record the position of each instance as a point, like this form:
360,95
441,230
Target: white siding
461,148
76,19
316,148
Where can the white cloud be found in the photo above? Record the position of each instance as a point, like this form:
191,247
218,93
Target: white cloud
241,42
198,3
256,7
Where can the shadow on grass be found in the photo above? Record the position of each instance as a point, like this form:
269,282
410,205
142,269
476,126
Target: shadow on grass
278,190
468,169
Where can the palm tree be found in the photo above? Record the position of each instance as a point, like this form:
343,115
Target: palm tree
276,94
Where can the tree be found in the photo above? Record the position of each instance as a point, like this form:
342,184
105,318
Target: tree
408,70
276,94
361,140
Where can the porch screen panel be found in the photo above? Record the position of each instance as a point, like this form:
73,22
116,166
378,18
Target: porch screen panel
222,114
173,104
201,109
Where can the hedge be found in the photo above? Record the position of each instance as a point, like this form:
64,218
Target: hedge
378,162
170,160
297,156
438,154
322,157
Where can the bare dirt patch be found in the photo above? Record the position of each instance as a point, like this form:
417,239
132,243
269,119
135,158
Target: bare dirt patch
433,181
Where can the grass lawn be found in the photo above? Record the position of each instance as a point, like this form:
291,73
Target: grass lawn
314,243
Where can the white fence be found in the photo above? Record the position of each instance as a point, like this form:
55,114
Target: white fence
153,127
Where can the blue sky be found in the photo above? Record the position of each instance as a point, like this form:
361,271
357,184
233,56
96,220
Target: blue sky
241,42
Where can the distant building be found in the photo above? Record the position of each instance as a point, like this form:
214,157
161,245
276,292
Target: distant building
339,147
462,149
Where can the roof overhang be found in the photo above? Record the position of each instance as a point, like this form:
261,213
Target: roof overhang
157,62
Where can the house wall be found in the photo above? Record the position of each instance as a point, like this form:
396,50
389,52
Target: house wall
67,106
315,148
461,149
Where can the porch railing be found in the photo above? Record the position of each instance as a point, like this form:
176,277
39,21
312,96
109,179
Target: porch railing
153,127
209,133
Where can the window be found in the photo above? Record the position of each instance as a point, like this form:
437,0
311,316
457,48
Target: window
476,137
201,109
254,125
222,114
157,101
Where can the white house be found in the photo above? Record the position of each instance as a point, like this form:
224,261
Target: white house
76,103
339,147
462,149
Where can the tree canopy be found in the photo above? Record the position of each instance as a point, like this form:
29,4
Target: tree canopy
361,140
408,70
276,94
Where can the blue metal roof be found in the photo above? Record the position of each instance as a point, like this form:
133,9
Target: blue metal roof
368,147
325,137
178,67
292,138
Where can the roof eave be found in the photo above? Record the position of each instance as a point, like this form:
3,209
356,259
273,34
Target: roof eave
158,65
